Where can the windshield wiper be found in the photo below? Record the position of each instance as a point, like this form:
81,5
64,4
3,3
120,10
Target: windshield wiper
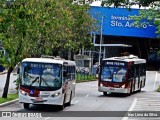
41,79
34,81
45,82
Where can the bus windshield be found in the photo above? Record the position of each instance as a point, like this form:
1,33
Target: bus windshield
41,75
113,74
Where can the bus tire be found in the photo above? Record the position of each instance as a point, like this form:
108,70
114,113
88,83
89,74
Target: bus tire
70,99
105,93
26,105
131,90
140,87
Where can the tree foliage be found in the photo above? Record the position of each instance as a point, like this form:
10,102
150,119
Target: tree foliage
151,14
129,3
30,28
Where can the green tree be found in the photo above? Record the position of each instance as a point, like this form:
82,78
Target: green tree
35,27
13,38
128,3
152,15
65,27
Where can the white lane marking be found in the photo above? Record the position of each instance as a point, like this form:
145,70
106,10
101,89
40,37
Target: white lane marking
86,96
47,118
131,108
155,82
133,104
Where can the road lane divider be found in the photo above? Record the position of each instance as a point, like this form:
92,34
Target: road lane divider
131,108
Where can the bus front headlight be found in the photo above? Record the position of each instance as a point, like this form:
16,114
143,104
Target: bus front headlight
123,86
55,94
23,92
101,85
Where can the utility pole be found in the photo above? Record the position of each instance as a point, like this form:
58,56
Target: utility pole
100,41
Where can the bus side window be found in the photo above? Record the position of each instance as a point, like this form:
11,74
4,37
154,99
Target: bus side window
131,72
64,73
137,71
141,70
72,72
68,73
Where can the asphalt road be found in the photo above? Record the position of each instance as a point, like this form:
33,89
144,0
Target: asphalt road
90,100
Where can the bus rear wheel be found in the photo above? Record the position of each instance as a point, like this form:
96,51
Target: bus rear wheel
70,99
131,90
140,87
26,105
63,105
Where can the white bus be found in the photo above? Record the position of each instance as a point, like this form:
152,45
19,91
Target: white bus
122,75
46,81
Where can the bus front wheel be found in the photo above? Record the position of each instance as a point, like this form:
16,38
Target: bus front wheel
26,105
70,99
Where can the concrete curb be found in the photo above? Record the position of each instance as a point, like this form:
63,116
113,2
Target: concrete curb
9,102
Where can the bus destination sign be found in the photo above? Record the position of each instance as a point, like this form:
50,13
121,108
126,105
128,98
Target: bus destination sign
114,63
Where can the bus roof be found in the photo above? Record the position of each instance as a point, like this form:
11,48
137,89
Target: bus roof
49,60
134,59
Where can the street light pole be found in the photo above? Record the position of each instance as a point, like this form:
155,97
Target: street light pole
100,41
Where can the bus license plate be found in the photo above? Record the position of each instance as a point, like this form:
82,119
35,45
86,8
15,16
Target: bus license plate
45,93
38,99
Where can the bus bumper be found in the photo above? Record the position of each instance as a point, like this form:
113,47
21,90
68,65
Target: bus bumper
38,100
112,90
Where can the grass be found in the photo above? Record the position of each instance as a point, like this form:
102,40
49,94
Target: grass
158,90
9,98
84,78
